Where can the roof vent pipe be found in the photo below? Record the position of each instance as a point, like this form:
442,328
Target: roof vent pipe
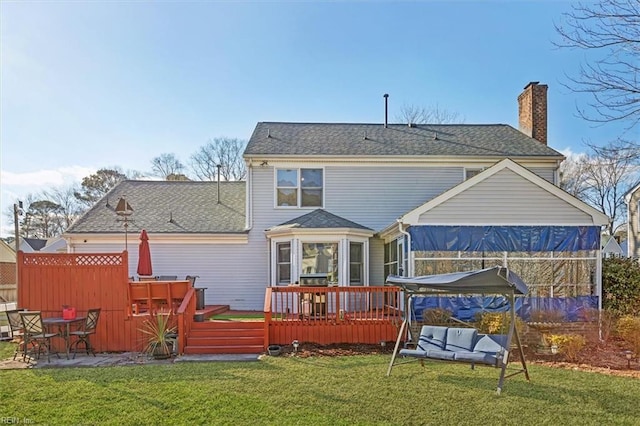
386,109
218,167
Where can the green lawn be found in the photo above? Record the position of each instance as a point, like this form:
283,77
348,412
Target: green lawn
314,391
238,317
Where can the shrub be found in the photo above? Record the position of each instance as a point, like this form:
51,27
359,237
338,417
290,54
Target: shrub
497,323
568,344
437,316
621,286
546,315
628,328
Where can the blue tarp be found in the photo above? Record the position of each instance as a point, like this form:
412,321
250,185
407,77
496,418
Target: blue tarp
504,238
465,308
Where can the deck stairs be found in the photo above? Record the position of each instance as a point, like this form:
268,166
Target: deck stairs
225,337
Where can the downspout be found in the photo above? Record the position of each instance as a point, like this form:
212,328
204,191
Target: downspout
249,198
410,266
556,173
599,289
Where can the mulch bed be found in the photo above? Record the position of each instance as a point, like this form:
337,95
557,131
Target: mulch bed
602,357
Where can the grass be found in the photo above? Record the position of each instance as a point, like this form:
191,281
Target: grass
317,391
238,317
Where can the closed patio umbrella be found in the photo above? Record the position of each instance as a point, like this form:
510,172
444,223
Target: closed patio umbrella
144,255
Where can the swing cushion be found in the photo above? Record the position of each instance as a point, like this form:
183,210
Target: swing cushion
432,337
490,343
461,339
459,344
487,350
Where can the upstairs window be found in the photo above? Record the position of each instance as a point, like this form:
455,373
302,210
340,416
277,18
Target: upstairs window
469,173
299,187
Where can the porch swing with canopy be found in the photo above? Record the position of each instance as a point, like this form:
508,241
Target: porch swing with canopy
459,344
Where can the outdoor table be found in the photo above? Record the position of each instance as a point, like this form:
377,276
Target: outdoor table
64,328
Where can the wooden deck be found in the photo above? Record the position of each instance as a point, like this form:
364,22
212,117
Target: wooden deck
326,315
322,315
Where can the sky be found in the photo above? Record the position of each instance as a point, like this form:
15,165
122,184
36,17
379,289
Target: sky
92,84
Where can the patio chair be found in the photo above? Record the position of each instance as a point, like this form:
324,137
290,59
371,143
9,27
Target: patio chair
36,334
167,277
15,328
88,328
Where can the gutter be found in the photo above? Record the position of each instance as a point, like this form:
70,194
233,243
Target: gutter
408,258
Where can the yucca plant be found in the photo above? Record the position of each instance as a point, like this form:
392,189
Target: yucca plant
161,334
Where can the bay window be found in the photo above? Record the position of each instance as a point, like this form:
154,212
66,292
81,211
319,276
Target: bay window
356,261
283,263
319,263
314,260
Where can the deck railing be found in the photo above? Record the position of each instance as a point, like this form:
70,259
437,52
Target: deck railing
150,296
185,315
332,314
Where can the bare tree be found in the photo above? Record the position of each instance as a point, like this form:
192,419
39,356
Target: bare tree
220,151
177,177
610,30
166,165
608,174
572,175
71,208
44,216
413,114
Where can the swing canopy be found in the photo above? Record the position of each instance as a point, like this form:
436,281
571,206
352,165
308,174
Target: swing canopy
463,344
496,280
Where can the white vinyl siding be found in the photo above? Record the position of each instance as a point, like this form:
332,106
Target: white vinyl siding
370,196
505,199
376,265
547,174
376,196
233,274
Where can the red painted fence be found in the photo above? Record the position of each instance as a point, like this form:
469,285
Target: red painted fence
47,282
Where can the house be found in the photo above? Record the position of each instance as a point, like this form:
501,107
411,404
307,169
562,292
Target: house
632,200
7,272
32,245
41,245
611,247
347,204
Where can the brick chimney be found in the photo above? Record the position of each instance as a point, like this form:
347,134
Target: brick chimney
532,111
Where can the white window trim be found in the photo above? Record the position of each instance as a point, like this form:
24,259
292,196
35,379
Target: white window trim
347,260
343,256
472,169
298,188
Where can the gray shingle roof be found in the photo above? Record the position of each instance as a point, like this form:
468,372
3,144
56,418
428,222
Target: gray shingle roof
36,243
320,219
172,207
321,139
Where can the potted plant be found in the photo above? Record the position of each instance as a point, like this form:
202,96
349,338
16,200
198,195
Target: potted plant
161,335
